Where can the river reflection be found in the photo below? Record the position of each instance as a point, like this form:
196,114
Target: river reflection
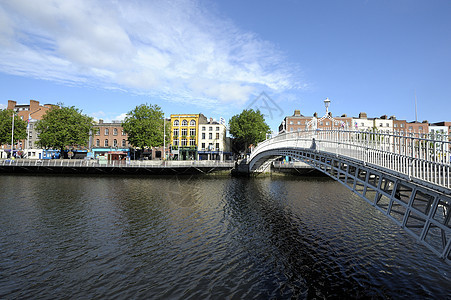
204,237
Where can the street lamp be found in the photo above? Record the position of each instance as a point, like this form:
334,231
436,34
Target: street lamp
327,103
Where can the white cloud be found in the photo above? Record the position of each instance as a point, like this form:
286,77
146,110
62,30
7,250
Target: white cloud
174,50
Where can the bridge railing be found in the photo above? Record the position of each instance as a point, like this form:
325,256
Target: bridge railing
424,157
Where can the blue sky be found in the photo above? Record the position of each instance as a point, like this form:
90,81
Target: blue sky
217,58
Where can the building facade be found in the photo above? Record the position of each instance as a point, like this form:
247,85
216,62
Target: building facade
213,141
184,135
299,122
108,137
31,113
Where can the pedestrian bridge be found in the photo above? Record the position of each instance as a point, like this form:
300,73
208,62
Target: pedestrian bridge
405,177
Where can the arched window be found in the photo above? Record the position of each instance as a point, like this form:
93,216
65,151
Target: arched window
176,123
115,131
184,123
106,143
114,143
124,143
97,143
192,123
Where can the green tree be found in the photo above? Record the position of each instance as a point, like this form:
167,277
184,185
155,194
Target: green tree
248,128
20,127
144,126
64,126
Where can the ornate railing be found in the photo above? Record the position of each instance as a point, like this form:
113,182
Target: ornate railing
421,157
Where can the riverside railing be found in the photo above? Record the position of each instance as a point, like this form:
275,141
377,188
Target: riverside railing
423,157
112,164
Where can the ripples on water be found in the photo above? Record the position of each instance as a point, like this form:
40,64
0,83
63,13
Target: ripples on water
200,238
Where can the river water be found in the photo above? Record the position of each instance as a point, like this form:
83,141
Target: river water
204,238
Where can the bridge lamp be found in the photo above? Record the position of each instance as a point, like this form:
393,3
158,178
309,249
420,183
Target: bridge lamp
327,103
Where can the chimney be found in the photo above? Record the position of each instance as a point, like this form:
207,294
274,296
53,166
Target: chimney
425,121
11,104
344,115
297,113
362,115
392,118
315,115
100,121
211,120
34,105
384,117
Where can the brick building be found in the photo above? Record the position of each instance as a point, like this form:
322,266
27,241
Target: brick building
32,112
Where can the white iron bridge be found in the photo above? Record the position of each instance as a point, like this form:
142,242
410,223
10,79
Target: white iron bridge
405,177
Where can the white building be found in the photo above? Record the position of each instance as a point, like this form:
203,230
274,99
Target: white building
213,141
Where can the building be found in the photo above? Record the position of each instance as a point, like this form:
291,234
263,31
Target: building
32,113
108,138
213,141
298,122
184,135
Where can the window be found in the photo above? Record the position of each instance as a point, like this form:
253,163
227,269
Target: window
176,123
217,128
217,135
31,126
387,125
363,124
184,131
321,123
410,127
192,123
299,122
401,125
420,128
97,131
114,143
395,125
184,123
124,143
176,132
184,142
203,128
217,146
210,128
210,135
176,142
203,135
192,142
203,146
97,143
291,129
380,124
106,143
327,123
114,131
291,122
107,131
192,131
210,146
123,132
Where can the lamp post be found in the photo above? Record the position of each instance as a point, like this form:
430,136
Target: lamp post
327,103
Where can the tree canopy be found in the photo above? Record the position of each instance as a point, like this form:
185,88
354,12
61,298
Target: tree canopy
144,126
20,127
64,126
249,127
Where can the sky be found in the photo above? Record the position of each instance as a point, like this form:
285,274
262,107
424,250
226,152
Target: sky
220,57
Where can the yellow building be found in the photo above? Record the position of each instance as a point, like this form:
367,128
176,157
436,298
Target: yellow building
184,135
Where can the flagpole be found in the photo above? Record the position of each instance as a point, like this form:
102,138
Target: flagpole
12,137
